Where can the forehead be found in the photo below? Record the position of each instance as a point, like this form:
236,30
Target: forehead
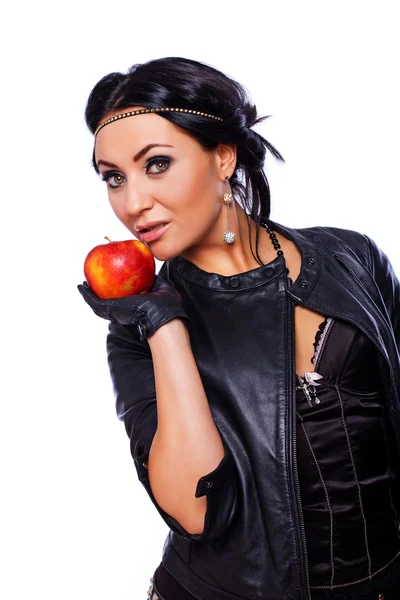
136,131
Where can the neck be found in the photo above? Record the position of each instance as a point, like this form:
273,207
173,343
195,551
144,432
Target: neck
232,259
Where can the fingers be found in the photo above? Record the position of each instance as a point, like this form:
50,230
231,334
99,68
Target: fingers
88,295
82,287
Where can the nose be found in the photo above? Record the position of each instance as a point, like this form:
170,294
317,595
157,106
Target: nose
137,199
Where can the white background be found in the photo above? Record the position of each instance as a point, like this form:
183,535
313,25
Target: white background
75,521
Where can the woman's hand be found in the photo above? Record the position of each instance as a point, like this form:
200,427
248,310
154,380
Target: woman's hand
148,311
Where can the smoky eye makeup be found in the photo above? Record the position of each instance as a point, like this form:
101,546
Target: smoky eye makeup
108,175
155,160
165,161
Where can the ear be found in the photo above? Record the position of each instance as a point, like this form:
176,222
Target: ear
225,155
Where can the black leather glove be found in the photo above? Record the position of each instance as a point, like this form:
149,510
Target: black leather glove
148,311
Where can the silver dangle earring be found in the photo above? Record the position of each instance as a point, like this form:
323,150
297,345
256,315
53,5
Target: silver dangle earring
229,236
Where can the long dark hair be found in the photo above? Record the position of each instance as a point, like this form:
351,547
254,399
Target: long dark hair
175,82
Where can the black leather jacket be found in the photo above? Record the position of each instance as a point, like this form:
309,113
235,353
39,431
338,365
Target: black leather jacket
242,334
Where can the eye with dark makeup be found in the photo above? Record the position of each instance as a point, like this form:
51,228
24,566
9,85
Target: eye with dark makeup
107,176
156,160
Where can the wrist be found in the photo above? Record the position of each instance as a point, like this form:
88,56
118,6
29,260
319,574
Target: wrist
168,332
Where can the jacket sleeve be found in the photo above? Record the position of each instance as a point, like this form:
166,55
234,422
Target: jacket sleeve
131,369
388,285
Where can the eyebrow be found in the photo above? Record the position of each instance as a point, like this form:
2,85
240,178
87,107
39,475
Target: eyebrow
137,156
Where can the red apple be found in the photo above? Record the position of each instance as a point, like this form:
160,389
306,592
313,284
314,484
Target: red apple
119,269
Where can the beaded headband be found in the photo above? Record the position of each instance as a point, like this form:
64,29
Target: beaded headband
150,110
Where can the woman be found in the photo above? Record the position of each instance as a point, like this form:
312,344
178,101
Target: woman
260,391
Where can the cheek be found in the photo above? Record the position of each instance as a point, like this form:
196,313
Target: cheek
192,189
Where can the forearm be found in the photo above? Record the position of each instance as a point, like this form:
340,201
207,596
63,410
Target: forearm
187,444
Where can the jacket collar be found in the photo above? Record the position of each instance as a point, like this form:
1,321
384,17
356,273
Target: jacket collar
301,288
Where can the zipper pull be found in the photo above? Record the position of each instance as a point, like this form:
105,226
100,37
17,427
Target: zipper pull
311,378
314,394
304,386
309,390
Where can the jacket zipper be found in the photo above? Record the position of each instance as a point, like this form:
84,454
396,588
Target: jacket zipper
351,271
362,286
305,584
324,336
309,389
354,275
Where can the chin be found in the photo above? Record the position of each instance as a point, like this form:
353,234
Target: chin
162,254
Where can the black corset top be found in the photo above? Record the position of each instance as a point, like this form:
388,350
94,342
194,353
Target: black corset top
346,486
